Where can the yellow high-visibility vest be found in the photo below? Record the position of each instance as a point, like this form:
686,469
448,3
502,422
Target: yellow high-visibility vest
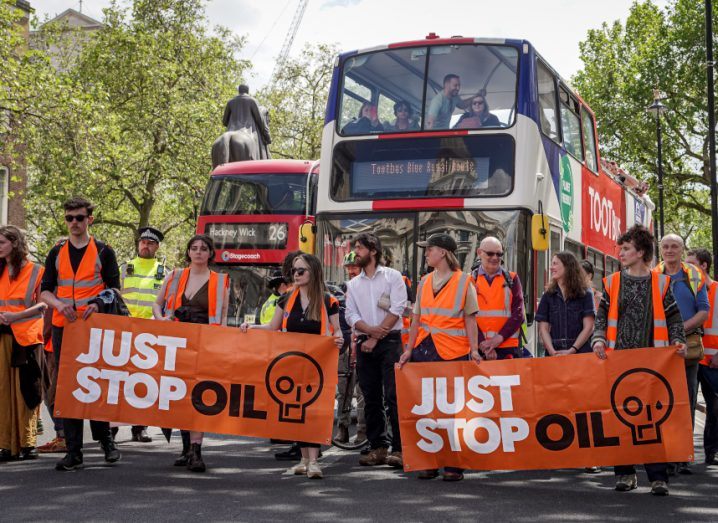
141,282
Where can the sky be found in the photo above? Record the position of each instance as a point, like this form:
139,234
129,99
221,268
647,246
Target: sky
554,27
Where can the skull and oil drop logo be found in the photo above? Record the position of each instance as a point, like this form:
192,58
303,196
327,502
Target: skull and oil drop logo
644,417
294,380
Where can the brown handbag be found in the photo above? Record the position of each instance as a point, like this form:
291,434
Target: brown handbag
695,348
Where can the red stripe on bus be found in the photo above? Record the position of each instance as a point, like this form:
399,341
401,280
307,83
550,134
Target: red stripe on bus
434,41
428,134
428,203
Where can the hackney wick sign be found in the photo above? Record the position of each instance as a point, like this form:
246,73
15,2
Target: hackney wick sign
198,377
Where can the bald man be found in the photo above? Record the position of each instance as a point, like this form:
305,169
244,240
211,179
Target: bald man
689,289
499,319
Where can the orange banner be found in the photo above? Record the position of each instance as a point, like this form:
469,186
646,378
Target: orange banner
198,377
546,413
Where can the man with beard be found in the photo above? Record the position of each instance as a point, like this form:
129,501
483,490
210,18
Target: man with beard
142,279
375,303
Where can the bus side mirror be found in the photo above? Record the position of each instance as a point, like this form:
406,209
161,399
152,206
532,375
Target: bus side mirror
307,237
539,232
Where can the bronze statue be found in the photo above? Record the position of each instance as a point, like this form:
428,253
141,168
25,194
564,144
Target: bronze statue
247,136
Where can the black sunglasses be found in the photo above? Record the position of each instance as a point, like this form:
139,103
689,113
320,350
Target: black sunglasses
492,254
300,271
69,218
477,103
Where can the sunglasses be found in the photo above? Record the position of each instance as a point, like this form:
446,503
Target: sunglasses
69,218
492,254
477,103
299,272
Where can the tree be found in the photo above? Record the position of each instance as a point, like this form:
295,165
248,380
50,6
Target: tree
622,65
297,101
131,123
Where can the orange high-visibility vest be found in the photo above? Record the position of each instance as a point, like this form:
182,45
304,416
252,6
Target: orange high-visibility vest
659,288
710,327
20,294
81,287
405,321
326,327
495,307
177,282
442,315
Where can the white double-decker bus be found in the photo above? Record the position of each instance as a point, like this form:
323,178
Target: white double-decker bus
471,137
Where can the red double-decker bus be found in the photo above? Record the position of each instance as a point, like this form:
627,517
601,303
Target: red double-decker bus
256,212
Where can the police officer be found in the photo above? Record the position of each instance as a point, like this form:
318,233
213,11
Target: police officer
141,281
278,286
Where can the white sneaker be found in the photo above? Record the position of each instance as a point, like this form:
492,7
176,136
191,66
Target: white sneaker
313,471
300,468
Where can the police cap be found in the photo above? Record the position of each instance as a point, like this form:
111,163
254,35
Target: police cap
152,234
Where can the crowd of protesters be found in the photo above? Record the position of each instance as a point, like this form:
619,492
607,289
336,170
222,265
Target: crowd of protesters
453,316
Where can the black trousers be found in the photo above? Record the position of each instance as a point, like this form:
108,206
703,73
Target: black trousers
74,427
708,379
655,471
376,380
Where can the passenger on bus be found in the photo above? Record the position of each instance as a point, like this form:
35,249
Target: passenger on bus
477,115
404,118
566,311
443,336
501,314
310,310
366,122
442,106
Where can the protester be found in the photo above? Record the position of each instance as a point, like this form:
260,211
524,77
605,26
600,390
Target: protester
49,382
443,326
20,345
347,366
566,312
588,273
195,294
310,310
141,282
77,270
638,310
501,314
708,368
689,290
375,304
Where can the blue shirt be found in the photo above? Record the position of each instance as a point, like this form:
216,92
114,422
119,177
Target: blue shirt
688,304
566,318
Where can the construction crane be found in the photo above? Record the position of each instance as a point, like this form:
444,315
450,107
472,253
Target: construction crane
289,40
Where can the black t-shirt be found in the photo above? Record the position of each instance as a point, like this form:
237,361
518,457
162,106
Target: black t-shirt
110,270
296,322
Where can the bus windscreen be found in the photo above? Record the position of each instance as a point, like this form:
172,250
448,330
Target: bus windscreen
242,194
467,86
461,166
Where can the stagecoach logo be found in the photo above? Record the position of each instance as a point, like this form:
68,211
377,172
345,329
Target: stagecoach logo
294,380
566,193
233,256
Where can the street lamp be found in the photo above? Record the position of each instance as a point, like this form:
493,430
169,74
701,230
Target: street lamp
658,108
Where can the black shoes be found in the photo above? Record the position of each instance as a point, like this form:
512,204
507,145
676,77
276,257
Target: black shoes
69,462
5,455
28,453
194,459
293,454
711,459
112,454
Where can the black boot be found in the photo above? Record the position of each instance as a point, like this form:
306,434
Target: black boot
184,457
112,454
195,463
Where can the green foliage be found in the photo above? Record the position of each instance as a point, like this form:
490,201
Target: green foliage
623,63
128,122
297,101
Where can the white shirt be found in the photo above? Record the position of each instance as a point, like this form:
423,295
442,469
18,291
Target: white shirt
363,294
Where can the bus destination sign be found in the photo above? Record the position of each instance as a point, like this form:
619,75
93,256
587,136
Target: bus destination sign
248,235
